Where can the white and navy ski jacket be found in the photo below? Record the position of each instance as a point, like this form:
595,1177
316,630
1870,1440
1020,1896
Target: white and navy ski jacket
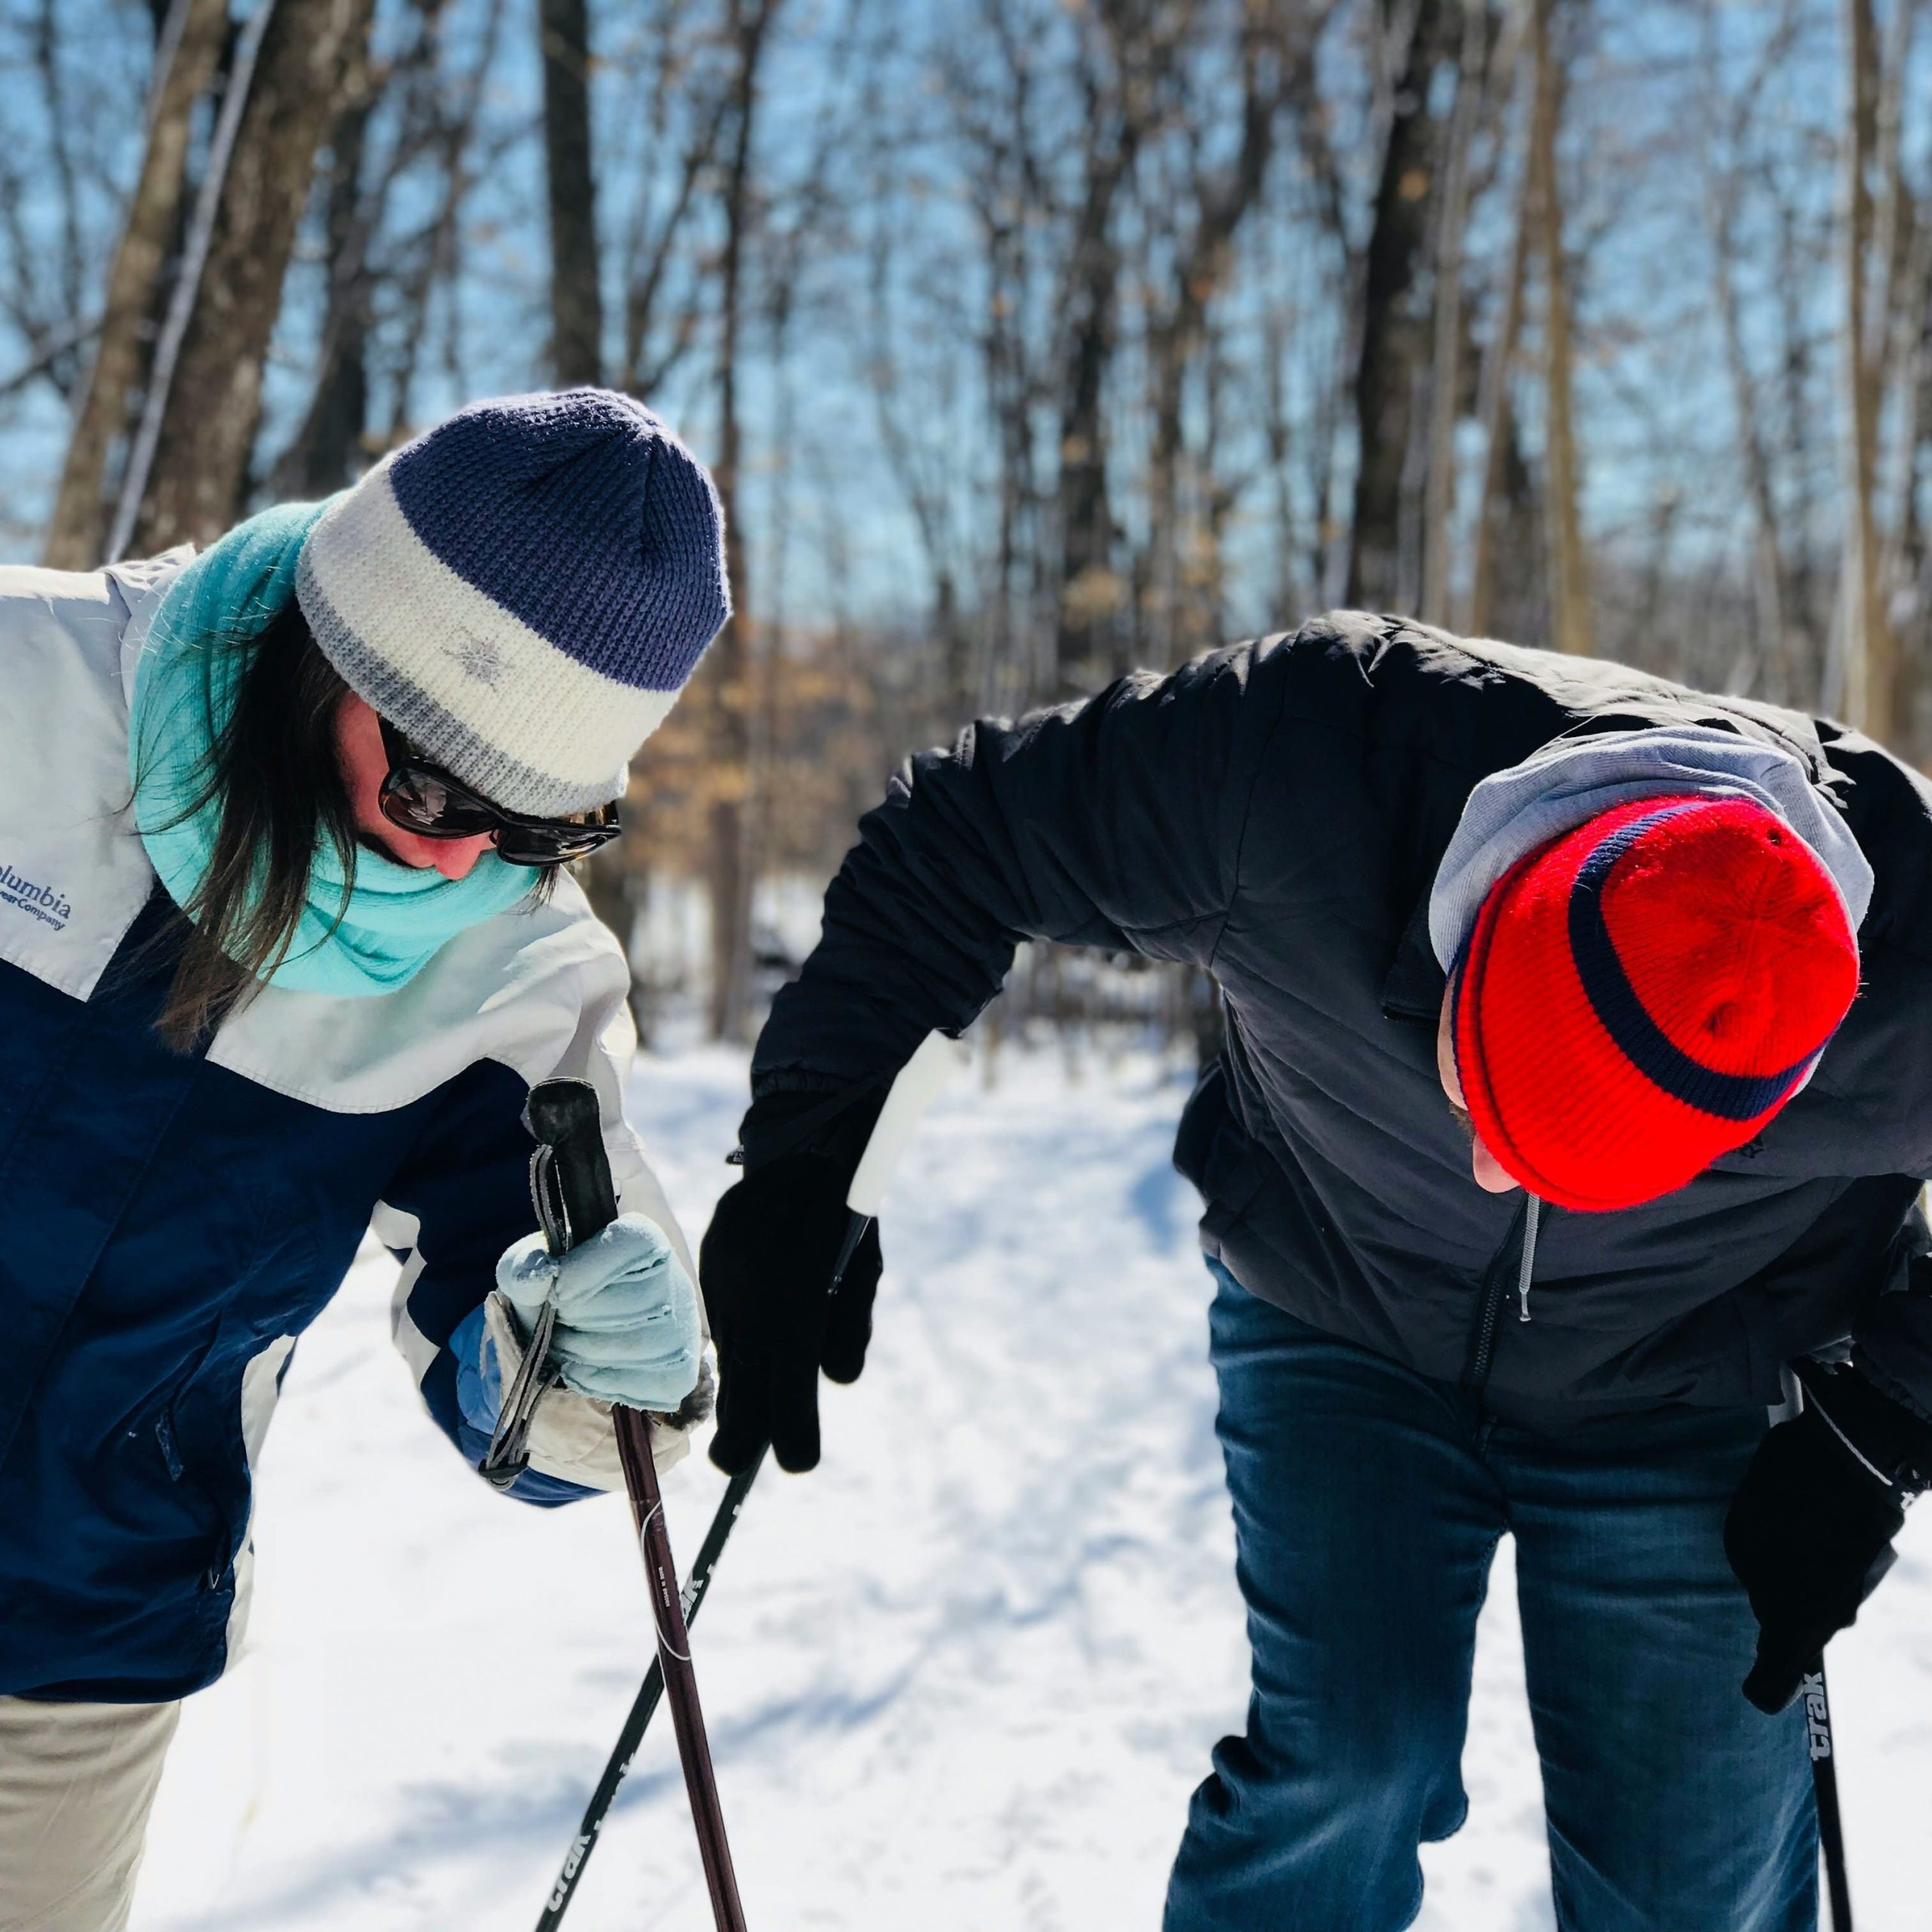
174,1221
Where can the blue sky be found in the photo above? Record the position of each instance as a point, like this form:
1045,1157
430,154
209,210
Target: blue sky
824,510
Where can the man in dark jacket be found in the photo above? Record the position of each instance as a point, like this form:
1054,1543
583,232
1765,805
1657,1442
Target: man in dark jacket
1548,1134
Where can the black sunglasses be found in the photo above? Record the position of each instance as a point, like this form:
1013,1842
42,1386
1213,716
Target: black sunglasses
422,797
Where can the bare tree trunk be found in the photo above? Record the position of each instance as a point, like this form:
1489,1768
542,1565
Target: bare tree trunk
1773,613
325,453
1118,87
991,104
1892,218
195,489
1895,321
1770,550
576,308
727,664
1910,571
1280,320
1493,407
1089,595
1871,669
189,47
1810,619
1276,71
329,449
651,249
577,316
1391,343
954,691
1445,369
1569,595
451,139
62,252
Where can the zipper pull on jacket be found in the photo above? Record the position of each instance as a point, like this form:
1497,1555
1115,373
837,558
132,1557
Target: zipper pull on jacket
1532,1213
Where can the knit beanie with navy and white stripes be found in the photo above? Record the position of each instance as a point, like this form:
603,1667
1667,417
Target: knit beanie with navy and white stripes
524,591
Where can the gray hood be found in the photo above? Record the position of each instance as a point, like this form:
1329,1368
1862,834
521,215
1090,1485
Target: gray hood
1570,781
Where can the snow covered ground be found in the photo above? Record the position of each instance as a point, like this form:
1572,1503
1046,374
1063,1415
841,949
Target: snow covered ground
963,1677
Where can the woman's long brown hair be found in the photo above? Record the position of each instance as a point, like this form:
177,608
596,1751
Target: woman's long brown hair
273,773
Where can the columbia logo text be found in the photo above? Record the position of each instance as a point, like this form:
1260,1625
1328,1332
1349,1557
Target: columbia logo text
39,902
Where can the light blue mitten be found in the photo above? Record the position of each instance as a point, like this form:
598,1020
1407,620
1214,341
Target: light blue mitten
627,1330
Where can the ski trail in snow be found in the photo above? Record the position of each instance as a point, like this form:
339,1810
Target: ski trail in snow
963,1677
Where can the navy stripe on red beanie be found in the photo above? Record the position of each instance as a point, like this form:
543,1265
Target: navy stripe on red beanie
1643,994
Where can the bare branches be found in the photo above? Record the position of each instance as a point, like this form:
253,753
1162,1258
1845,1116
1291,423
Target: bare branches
1276,50
1791,661
1125,49
1390,333
723,681
190,41
577,305
1044,337
69,255
425,258
1571,627
330,445
1445,358
1871,665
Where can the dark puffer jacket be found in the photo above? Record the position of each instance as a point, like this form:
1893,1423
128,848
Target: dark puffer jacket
1275,812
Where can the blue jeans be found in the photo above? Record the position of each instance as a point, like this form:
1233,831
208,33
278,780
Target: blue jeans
1367,1502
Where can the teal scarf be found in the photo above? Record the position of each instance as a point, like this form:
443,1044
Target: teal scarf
397,916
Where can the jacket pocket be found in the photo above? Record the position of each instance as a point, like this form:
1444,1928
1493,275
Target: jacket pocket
210,1479
1201,1120
165,1498
1213,1151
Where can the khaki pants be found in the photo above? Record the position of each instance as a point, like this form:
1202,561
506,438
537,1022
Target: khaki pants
76,1782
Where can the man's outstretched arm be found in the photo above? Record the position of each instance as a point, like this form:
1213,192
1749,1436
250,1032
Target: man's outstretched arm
1116,822
1119,822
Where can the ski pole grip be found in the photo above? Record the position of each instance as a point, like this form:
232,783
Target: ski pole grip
563,1117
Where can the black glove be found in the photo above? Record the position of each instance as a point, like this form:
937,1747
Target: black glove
766,1262
1809,1530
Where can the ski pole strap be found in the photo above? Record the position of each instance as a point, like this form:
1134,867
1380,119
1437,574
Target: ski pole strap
509,1454
570,1188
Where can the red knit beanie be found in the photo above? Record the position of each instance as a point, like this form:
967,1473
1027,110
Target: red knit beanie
1643,994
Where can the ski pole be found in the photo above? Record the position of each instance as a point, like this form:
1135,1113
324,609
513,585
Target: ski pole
935,1063
1818,1729
571,1177
1824,1783
644,1707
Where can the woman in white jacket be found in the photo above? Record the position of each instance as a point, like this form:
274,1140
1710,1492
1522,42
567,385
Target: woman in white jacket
284,941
